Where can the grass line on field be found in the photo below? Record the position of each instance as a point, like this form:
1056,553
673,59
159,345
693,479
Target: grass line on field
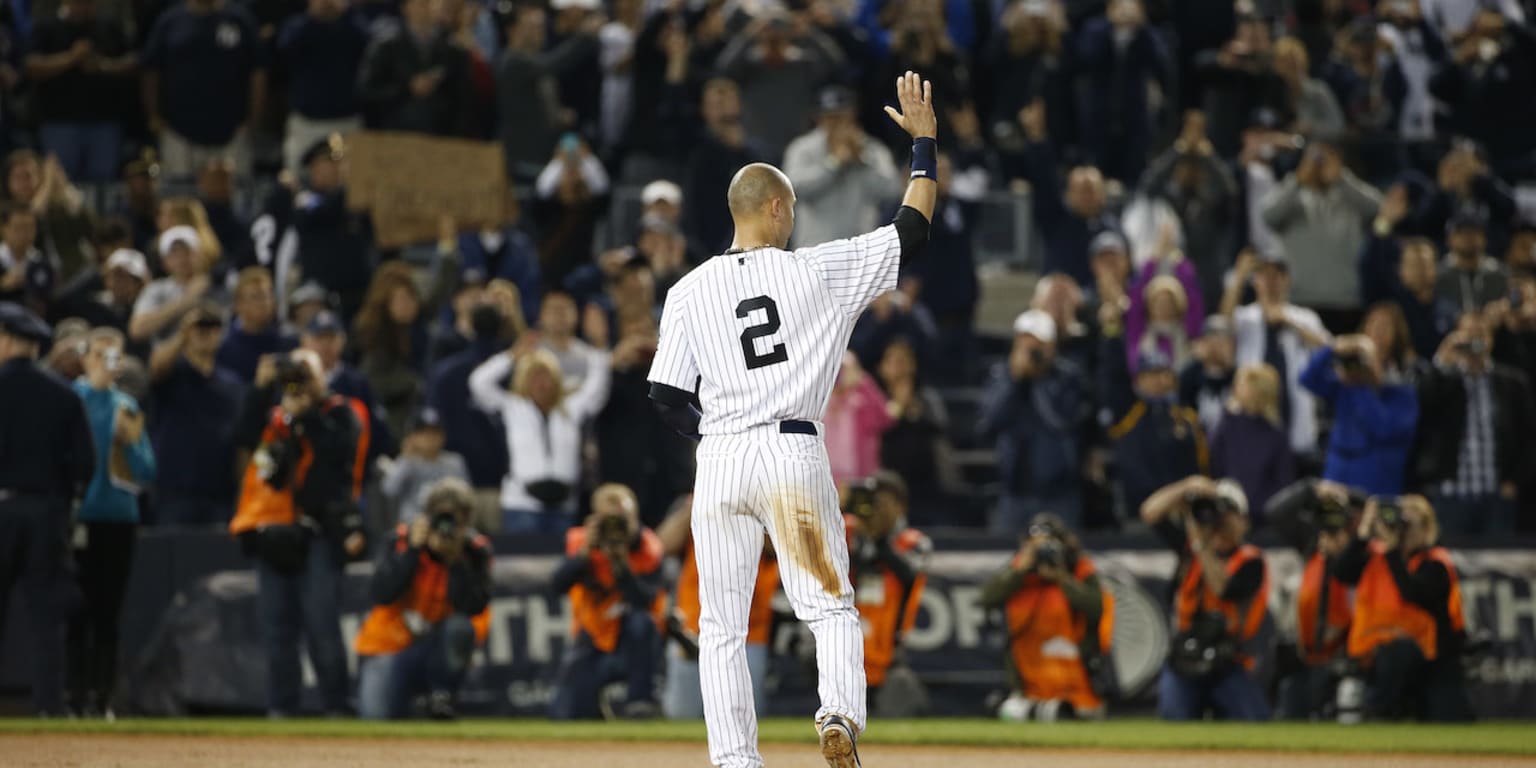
1501,738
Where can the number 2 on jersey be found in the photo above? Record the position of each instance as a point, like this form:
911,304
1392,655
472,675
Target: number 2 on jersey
768,327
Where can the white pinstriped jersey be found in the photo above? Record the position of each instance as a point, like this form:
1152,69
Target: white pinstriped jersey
762,332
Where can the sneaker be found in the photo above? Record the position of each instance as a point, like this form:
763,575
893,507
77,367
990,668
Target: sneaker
838,743
440,706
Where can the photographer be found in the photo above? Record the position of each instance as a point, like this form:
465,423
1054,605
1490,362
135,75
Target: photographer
1320,514
298,517
887,561
431,592
1408,626
1373,421
1475,419
611,572
1221,595
682,698
1059,626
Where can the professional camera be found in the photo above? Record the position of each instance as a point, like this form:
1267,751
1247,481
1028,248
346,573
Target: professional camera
292,375
1390,513
1205,510
445,524
1050,553
861,499
612,532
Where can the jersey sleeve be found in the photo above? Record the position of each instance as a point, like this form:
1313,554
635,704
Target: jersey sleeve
858,269
674,364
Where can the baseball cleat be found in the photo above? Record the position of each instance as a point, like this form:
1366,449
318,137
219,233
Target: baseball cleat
837,743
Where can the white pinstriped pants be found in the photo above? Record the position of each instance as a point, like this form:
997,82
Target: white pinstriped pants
746,483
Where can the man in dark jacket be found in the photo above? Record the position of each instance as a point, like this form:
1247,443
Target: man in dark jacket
1156,441
527,102
1067,223
1487,86
335,244
1475,420
301,526
417,79
1122,57
471,432
1037,408
46,459
430,590
715,157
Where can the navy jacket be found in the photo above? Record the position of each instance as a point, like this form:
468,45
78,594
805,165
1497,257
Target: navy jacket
1039,426
1066,234
1373,428
471,432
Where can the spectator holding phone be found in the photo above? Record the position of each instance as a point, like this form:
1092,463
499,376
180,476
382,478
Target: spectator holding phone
109,515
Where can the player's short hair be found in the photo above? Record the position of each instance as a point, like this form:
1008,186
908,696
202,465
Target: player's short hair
753,187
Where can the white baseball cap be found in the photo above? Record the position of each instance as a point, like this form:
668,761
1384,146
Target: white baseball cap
1229,491
130,261
1036,323
585,5
661,190
180,234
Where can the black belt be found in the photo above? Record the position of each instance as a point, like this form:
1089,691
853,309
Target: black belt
796,427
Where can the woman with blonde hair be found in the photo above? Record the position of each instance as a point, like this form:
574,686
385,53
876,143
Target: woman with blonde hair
1163,327
543,426
1250,446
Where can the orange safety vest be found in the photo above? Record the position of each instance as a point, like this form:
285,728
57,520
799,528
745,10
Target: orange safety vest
598,609
759,616
1382,615
385,632
879,597
1308,598
1243,621
262,505
1046,638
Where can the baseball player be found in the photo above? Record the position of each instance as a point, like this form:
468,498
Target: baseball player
750,344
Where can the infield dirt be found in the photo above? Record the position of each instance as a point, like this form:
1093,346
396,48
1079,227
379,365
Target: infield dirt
108,751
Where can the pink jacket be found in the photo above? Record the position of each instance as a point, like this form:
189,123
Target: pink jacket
856,418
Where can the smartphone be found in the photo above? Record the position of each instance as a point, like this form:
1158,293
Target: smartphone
570,142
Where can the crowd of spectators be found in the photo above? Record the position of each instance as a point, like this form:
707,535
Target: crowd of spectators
1272,242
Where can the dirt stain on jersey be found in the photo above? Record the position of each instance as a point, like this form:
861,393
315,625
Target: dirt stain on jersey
800,533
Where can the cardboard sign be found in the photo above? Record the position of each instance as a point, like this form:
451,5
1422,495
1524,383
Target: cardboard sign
408,181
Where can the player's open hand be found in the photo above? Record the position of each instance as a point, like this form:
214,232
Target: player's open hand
915,95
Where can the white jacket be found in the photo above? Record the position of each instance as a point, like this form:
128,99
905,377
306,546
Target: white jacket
541,448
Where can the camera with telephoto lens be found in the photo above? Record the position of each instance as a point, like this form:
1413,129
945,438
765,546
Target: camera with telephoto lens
445,524
1390,513
612,532
1050,553
861,499
292,376
1205,510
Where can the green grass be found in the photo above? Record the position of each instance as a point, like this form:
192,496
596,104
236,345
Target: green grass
1508,738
